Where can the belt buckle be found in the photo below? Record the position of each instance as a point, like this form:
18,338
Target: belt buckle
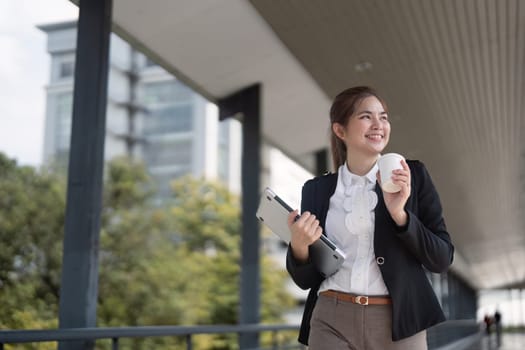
359,300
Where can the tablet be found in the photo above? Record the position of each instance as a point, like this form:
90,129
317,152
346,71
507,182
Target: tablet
273,212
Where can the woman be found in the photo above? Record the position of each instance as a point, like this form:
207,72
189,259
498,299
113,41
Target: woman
380,298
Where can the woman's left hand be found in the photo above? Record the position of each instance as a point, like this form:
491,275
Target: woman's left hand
395,202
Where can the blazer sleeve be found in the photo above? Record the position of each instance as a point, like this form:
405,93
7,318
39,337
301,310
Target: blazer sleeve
425,234
304,274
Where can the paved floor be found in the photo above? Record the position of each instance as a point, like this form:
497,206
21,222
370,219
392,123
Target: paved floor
508,341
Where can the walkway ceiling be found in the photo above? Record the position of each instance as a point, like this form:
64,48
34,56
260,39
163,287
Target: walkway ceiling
452,72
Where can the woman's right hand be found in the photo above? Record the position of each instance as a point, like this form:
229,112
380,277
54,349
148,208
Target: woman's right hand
305,231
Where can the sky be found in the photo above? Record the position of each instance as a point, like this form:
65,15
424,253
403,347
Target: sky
24,74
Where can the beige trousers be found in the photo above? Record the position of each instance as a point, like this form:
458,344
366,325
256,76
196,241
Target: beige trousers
339,324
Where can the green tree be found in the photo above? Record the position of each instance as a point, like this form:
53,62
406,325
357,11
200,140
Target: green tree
207,220
176,264
31,227
179,265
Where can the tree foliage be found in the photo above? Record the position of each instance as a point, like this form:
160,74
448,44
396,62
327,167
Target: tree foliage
31,226
174,264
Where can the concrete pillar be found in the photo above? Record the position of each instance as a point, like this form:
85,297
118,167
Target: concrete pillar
246,103
79,285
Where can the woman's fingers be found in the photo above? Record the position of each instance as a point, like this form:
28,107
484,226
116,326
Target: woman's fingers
317,233
292,216
401,177
311,223
306,228
295,222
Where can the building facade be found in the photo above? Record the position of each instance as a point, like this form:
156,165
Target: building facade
151,116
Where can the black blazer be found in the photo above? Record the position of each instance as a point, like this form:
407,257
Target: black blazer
401,252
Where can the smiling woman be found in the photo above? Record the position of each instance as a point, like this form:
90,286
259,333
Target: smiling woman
381,289
24,70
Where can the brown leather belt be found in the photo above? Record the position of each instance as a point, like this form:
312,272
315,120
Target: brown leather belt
357,299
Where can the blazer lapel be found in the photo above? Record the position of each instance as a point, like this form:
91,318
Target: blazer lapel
381,220
380,209
327,191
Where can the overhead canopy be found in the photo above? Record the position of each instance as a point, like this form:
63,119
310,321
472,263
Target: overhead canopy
451,72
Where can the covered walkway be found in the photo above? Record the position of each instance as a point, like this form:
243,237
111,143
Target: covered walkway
452,71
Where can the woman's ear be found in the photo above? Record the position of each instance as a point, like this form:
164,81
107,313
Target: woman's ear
339,131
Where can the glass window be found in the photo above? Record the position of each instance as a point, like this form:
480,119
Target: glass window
63,118
67,69
163,92
62,159
169,119
166,153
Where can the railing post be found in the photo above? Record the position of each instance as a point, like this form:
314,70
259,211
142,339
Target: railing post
114,344
275,343
189,344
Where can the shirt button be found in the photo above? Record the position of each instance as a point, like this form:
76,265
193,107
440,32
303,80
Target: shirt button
380,260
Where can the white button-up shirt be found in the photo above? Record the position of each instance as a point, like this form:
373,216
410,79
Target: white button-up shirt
350,223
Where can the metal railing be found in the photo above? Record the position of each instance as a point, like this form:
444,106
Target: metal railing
439,335
116,333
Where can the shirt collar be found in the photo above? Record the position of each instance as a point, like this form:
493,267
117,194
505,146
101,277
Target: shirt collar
350,178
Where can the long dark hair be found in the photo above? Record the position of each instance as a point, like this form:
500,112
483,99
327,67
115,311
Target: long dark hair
343,107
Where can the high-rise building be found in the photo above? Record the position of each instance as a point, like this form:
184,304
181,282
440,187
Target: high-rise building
151,116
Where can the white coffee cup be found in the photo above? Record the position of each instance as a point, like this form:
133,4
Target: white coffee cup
387,163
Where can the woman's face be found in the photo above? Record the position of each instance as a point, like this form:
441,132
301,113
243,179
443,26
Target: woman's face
368,129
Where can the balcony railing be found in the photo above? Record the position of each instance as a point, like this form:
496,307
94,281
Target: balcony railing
116,333
437,336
